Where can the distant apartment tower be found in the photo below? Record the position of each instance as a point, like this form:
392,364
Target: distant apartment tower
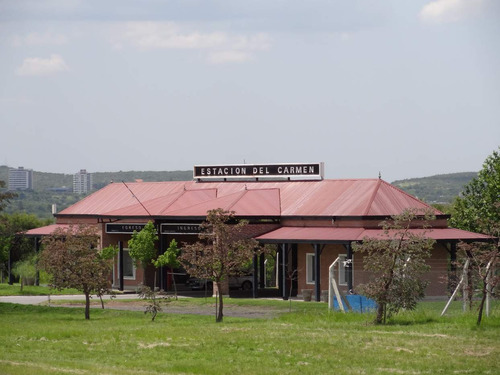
82,182
20,179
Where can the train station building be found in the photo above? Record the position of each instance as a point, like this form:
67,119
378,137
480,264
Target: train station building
310,221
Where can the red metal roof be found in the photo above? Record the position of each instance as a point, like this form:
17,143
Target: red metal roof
350,197
311,234
330,234
47,230
434,233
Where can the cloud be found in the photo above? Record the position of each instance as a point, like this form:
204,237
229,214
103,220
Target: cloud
39,39
221,47
35,66
450,10
224,57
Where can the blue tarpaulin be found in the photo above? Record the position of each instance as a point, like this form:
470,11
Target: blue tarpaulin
358,303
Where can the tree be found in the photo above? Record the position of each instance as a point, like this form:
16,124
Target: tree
5,196
169,259
11,225
478,210
25,269
73,260
397,262
222,251
142,246
484,260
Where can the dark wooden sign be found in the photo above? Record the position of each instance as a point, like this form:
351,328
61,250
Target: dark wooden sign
185,228
122,228
314,170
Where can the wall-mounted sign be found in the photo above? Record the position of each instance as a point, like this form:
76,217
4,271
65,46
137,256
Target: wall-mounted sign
169,228
314,170
122,228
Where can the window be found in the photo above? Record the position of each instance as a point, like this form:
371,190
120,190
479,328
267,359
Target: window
342,269
310,269
128,266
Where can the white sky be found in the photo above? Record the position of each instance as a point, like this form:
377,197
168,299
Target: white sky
407,88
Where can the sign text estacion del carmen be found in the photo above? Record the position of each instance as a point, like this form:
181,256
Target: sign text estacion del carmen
313,170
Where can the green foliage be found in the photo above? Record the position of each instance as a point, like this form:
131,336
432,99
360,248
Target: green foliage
39,203
26,269
109,252
10,225
478,208
5,196
169,258
442,188
142,245
396,263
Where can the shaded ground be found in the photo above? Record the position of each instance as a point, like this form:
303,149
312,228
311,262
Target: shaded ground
193,303
265,312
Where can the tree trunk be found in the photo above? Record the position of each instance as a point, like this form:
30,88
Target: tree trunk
173,280
380,313
219,315
87,305
481,305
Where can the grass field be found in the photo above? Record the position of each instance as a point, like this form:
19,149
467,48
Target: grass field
31,290
309,340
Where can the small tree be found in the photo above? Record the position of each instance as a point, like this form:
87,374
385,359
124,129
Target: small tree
397,261
73,260
221,252
25,269
169,259
142,246
478,210
484,259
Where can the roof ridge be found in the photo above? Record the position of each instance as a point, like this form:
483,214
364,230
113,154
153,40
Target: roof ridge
372,198
413,197
179,195
241,195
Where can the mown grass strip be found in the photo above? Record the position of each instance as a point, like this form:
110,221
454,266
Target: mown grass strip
57,340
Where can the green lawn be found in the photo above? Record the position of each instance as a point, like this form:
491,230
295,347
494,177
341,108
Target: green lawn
30,290
310,340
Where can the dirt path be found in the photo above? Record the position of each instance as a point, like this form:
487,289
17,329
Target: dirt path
262,312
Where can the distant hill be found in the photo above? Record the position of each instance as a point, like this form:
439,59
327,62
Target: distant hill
48,187
442,188
43,181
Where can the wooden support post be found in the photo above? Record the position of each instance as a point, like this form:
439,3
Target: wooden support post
317,272
294,273
9,267
284,263
163,273
37,251
452,276
348,267
120,266
262,271
255,276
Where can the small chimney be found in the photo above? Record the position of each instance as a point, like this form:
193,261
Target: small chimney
54,209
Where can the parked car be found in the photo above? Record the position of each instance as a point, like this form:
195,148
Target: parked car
237,282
